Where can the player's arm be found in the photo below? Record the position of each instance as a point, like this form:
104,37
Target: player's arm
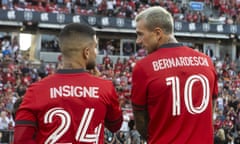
114,126
139,99
24,130
24,135
114,118
141,120
25,120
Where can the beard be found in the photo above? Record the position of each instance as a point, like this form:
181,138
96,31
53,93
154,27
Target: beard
90,65
152,49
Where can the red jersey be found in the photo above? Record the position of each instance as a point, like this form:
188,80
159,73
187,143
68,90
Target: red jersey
176,85
71,107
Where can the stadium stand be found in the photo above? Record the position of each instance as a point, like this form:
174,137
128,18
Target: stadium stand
220,11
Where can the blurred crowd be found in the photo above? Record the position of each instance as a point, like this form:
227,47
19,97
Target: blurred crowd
227,113
17,73
214,11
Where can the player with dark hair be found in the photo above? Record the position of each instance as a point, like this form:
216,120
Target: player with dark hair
71,106
174,87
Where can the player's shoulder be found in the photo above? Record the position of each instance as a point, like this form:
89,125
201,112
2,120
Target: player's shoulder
141,62
101,80
201,54
42,83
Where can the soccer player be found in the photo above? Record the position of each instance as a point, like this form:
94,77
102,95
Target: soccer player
71,106
173,86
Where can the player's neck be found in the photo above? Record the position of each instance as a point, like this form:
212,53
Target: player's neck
71,65
167,39
172,39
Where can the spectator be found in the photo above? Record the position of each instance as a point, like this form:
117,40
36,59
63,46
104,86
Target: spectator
220,137
134,134
128,48
128,9
126,119
42,69
1,135
4,120
209,52
110,48
237,139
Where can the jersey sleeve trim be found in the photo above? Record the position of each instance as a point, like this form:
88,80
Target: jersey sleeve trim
113,126
109,123
25,123
215,96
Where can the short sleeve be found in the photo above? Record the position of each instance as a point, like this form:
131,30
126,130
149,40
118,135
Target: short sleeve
25,115
139,88
114,113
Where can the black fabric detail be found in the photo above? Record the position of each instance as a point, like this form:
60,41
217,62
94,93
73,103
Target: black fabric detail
25,122
136,107
171,45
113,122
67,71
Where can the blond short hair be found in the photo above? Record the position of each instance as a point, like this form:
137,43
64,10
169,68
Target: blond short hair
157,16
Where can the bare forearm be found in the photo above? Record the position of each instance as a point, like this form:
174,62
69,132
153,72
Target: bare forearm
141,120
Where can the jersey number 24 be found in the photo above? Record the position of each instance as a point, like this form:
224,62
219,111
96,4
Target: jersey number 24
81,134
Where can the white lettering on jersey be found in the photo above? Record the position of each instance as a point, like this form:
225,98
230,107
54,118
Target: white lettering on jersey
167,63
74,91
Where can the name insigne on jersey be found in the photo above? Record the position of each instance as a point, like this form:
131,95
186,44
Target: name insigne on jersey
74,91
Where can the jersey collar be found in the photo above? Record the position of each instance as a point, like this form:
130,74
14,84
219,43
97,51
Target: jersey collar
171,45
66,71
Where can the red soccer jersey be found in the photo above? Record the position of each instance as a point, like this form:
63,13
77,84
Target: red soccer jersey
70,108
176,85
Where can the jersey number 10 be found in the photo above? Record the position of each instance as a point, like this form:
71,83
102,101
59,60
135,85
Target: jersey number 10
188,95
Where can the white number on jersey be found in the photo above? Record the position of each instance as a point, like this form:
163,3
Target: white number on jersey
81,134
175,83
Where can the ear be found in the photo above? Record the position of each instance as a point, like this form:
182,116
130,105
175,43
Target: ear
158,32
86,53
